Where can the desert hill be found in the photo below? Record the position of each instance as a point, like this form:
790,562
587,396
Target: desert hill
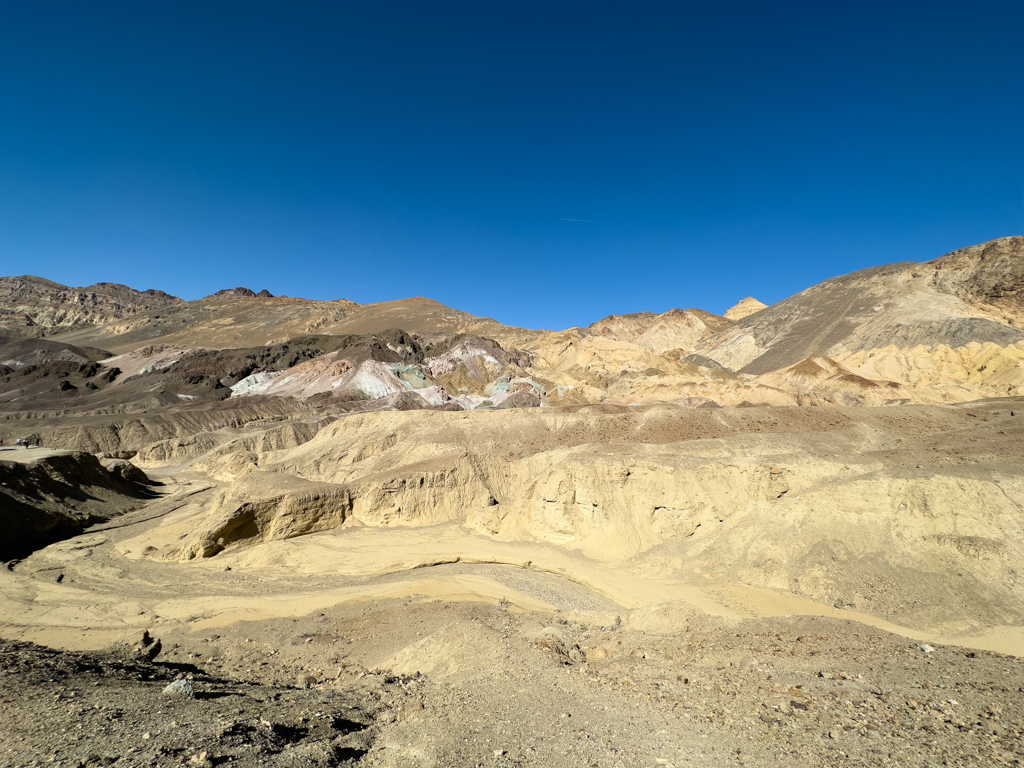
974,295
30,306
743,308
677,329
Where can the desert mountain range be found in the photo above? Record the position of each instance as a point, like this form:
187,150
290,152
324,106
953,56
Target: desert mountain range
435,508
949,330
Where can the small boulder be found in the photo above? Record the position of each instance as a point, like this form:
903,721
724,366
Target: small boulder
182,687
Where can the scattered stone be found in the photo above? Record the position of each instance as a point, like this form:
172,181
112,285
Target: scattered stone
144,647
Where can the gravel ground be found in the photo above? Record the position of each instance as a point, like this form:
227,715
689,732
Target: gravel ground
503,688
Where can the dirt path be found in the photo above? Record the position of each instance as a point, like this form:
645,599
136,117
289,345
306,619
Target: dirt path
23,455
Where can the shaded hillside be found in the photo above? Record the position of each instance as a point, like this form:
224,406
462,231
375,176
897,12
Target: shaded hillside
49,498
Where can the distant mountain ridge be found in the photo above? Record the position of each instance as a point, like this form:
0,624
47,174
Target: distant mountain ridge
241,293
29,302
948,330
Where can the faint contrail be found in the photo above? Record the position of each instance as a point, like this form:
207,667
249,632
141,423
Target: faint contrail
575,219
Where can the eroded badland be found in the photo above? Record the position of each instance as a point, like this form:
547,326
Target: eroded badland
401,535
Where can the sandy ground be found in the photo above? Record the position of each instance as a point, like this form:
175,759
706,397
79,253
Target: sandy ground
447,677
99,599
433,646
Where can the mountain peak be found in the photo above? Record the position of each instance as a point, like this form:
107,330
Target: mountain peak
743,308
240,293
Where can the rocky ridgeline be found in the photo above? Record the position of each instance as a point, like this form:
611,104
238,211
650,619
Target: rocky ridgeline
240,293
949,330
28,303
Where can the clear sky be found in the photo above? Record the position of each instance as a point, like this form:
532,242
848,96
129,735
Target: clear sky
542,163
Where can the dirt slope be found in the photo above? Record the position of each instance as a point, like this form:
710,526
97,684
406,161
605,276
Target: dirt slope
232,322
972,295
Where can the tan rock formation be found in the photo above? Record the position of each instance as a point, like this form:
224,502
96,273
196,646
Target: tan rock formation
744,308
264,508
761,494
677,329
942,374
820,380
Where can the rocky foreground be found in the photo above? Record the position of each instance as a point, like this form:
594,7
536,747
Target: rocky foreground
508,688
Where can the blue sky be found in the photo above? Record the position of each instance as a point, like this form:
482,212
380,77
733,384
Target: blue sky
546,164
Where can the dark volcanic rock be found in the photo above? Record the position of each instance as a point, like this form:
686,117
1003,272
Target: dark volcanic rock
210,373
240,293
